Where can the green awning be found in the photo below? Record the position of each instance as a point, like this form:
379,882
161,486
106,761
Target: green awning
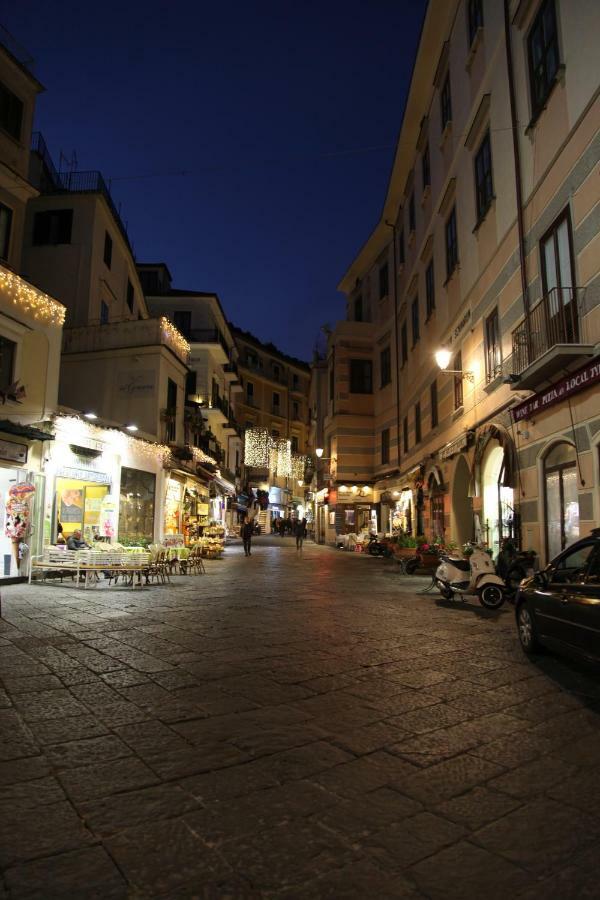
25,431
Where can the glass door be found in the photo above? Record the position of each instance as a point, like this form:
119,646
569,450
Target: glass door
561,499
558,284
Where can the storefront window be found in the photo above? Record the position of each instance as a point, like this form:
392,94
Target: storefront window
173,507
498,500
437,512
561,498
80,506
136,509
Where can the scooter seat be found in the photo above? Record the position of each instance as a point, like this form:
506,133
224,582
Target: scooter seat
463,565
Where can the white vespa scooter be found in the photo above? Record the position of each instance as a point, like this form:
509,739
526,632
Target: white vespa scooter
474,575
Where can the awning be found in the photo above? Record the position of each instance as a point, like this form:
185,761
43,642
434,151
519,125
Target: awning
26,431
225,485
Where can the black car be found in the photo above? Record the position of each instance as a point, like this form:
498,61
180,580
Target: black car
560,606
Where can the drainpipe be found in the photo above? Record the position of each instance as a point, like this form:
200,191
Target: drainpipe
395,276
518,182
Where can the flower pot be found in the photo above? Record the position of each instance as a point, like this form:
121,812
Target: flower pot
405,552
429,560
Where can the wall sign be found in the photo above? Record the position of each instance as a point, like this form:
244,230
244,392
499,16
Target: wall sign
455,446
572,384
13,452
459,327
136,384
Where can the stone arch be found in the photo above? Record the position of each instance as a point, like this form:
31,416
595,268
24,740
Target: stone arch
462,504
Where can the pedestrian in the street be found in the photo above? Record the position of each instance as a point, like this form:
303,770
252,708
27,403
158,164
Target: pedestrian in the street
299,532
247,529
304,528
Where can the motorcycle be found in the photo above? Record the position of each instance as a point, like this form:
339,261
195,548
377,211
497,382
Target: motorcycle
475,575
376,547
513,566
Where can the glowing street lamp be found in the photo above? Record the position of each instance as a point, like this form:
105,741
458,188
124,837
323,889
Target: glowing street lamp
319,452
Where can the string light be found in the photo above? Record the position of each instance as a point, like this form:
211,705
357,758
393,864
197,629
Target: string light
298,466
36,303
200,456
281,458
257,448
174,338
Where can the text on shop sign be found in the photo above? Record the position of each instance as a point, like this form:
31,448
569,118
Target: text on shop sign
578,381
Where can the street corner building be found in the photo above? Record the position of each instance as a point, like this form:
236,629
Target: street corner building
459,398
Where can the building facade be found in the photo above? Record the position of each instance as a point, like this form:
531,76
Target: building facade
274,402
487,250
212,381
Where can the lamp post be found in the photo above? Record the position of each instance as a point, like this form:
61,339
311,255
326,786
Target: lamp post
442,358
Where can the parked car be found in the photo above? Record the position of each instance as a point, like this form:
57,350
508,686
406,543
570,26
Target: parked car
560,605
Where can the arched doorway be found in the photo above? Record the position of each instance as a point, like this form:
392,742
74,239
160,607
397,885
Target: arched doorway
462,505
436,509
498,497
561,498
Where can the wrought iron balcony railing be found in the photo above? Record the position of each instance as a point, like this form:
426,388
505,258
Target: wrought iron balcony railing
556,319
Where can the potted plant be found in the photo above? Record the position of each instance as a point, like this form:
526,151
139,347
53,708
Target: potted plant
406,546
427,553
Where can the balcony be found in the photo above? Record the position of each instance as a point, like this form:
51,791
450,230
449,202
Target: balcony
210,339
557,336
125,335
216,410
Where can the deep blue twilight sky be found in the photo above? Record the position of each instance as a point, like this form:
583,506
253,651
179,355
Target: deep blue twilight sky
261,105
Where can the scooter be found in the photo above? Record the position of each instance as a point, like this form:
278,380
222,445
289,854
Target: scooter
376,547
475,575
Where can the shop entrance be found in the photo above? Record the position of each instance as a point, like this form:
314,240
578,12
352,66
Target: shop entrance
21,512
561,498
498,499
436,510
81,506
462,505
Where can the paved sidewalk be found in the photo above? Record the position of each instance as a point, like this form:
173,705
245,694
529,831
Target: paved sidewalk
296,725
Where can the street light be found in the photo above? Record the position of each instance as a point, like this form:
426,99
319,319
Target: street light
131,427
90,415
442,358
319,452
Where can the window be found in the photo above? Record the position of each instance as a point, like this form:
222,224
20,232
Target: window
136,507
417,423
401,256
361,376
542,47
11,112
458,381
557,281
275,402
191,387
294,443
433,402
331,383
274,433
446,102
182,319
295,409
383,281
451,243
7,361
415,321
171,425
405,433
385,446
249,392
404,343
426,167
475,12
385,366
484,188
53,226
430,289
561,498
493,348
5,226
130,295
411,212
108,244
276,371
358,309
104,313
294,382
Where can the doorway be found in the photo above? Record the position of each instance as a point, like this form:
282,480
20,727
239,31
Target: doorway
561,498
462,504
498,499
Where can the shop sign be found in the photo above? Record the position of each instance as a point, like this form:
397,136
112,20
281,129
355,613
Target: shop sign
136,384
566,387
459,327
82,474
13,452
455,446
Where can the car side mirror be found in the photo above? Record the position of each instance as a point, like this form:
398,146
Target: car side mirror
541,579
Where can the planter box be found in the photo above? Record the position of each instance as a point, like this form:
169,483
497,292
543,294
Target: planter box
429,560
405,552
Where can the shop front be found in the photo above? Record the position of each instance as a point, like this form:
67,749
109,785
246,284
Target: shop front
495,506
402,515
21,498
188,508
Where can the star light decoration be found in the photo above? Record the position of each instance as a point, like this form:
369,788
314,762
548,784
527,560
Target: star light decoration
31,301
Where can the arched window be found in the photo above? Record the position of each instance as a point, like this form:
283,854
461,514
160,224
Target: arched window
561,498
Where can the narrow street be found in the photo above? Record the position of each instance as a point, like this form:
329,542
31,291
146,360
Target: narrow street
297,725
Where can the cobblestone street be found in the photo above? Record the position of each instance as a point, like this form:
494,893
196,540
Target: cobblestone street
289,725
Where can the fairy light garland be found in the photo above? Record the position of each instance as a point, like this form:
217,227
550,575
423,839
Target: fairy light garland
200,456
257,447
174,337
265,452
281,458
298,466
33,302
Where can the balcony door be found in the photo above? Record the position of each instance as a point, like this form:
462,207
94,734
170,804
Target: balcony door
558,282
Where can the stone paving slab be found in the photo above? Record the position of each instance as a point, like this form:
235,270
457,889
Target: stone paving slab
298,725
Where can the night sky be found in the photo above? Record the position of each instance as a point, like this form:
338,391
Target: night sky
249,144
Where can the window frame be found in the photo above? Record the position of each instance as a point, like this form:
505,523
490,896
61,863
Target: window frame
358,308
415,321
385,446
412,214
418,432
104,313
404,343
474,19
451,240
433,403
426,167
360,383
384,281
385,367
484,176
130,295
538,104
429,290
5,250
401,248
13,107
405,439
446,102
493,346
108,249
50,227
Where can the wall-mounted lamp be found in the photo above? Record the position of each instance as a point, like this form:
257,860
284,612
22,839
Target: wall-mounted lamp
131,427
443,357
319,452
90,415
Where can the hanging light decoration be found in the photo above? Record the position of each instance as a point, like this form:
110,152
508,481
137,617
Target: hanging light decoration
257,450
174,338
282,458
298,466
30,300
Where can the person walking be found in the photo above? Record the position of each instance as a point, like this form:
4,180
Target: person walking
299,532
247,529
